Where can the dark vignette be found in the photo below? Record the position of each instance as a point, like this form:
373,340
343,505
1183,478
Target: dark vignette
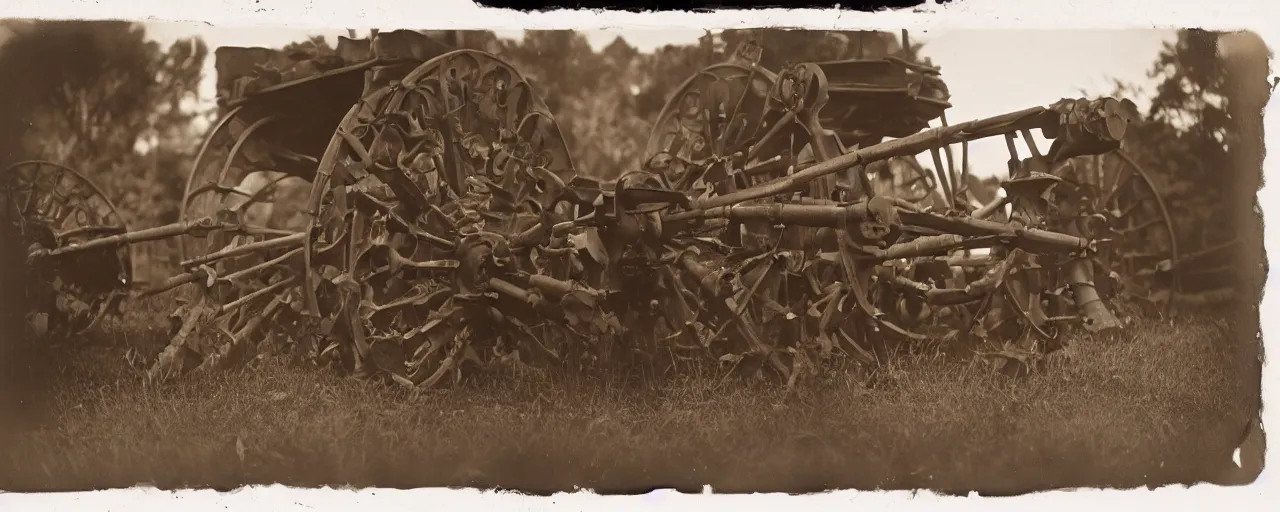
27,373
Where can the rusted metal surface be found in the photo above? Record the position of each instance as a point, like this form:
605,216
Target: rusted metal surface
246,72
56,209
427,219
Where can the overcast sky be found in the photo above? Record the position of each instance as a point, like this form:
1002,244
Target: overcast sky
988,72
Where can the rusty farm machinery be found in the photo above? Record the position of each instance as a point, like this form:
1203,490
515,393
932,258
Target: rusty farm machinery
407,211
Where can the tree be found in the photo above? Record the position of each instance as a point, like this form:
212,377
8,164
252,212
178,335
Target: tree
1192,141
100,97
1190,134
589,93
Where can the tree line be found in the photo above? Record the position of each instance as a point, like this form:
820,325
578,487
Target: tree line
101,97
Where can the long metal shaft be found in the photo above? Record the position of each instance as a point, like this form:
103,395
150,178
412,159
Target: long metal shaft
821,216
913,144
1044,118
133,237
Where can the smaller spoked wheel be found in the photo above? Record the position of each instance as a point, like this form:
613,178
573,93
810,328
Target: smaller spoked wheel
904,178
246,177
423,199
242,262
55,207
245,167
1112,199
730,118
722,112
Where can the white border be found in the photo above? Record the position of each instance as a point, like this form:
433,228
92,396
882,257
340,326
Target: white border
459,14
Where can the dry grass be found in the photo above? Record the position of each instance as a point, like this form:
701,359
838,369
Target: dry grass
1168,405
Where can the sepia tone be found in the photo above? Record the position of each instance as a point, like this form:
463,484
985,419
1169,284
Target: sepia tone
761,261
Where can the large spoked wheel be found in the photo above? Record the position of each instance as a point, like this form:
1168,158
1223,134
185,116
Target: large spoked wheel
726,118
1119,201
422,201
52,207
731,117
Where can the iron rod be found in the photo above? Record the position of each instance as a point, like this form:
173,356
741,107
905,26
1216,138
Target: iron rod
913,144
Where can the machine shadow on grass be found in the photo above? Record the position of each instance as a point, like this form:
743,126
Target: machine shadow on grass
391,268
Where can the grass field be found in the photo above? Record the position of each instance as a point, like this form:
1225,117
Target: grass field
1167,403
